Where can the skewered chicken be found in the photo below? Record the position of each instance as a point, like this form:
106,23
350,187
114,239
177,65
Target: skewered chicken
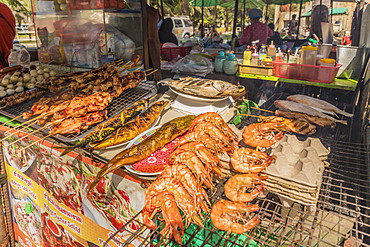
22,97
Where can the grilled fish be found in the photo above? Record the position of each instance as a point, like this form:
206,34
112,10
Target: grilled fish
301,116
161,137
318,104
205,87
298,107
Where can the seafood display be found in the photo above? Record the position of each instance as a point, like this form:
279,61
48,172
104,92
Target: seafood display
247,160
105,129
318,104
263,134
165,134
302,127
134,127
205,87
301,116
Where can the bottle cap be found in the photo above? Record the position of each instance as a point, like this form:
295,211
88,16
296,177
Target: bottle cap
327,60
267,59
272,44
13,49
310,48
231,56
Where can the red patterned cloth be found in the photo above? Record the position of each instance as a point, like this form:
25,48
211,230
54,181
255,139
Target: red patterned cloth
256,31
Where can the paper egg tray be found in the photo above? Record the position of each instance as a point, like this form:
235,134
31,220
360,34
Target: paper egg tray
297,172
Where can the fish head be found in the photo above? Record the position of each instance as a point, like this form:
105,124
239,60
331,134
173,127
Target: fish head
227,88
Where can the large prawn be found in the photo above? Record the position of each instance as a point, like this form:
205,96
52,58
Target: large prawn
246,160
263,134
223,140
244,187
217,120
166,202
211,162
227,215
190,159
183,199
188,180
203,137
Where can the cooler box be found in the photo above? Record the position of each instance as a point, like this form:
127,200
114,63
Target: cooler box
169,53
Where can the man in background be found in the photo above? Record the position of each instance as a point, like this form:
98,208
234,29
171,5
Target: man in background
293,26
256,30
7,33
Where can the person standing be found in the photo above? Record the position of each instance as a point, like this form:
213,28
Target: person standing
256,30
7,33
293,26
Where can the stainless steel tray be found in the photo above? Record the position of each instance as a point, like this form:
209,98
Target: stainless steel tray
143,91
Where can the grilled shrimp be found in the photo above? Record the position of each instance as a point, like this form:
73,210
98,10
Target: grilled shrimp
208,159
226,215
224,141
246,160
217,120
190,159
236,187
183,199
188,180
171,214
202,137
262,134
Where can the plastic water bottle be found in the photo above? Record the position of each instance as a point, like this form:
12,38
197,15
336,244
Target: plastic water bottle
13,57
17,45
24,57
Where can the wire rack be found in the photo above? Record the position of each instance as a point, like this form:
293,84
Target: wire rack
341,217
126,99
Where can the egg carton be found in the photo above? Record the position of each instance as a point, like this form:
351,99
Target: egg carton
296,175
297,161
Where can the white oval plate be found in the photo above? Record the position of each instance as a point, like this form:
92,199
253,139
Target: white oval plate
125,143
136,141
197,98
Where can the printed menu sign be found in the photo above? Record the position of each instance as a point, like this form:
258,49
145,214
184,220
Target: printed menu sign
49,199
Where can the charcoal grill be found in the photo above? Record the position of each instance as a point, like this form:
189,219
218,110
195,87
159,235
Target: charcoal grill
127,98
342,216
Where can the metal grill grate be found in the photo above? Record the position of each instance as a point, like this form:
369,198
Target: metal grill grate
342,215
126,99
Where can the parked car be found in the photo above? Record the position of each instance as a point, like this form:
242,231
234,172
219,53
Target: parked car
22,28
182,26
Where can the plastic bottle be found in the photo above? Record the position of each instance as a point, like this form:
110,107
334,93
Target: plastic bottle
271,51
13,57
24,57
230,64
262,53
255,59
17,45
254,47
219,62
247,56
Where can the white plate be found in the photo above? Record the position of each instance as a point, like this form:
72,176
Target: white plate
125,143
11,162
136,141
197,98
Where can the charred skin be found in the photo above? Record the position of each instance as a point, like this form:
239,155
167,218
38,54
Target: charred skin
164,135
134,127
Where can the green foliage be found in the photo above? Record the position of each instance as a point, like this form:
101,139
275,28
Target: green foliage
22,9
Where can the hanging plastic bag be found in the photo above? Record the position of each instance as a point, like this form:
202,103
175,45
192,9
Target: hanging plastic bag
193,65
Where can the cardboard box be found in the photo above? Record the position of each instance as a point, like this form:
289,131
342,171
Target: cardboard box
255,69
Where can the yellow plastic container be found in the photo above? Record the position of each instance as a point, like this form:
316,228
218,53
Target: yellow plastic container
309,54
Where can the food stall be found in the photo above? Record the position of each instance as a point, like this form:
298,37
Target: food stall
94,169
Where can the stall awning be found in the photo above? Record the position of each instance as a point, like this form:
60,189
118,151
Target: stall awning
335,11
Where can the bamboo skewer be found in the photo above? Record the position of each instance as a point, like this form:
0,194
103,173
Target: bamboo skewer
23,137
152,72
262,109
3,107
34,143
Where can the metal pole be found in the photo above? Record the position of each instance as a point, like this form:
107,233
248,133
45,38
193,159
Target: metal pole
234,24
162,9
202,33
243,17
299,18
144,26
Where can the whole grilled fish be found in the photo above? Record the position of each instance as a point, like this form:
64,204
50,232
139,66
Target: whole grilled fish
318,104
161,137
205,87
298,107
136,126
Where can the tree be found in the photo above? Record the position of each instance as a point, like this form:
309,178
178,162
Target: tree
22,9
